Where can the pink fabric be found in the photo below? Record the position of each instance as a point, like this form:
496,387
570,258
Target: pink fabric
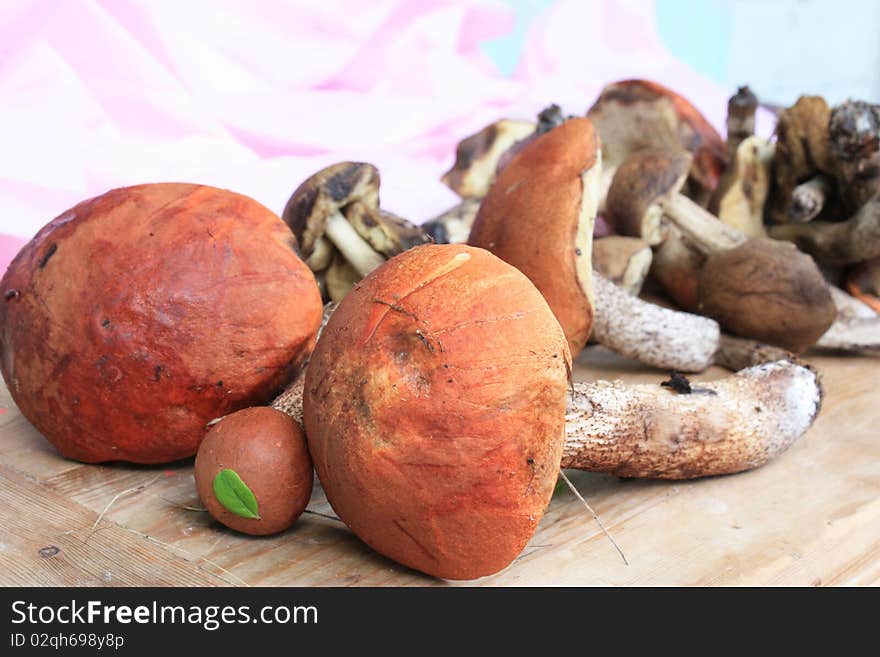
255,96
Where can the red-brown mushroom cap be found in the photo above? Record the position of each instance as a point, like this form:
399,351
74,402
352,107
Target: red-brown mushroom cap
434,407
538,216
266,448
634,114
641,186
136,317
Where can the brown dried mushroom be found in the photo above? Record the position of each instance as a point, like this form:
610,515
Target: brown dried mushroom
767,290
477,156
342,233
634,115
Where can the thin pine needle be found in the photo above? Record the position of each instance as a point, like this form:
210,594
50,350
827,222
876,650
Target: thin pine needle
595,516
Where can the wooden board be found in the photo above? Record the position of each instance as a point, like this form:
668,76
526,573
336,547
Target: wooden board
812,517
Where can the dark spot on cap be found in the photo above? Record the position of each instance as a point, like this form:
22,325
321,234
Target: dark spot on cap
11,294
471,148
157,372
105,323
340,185
48,551
220,384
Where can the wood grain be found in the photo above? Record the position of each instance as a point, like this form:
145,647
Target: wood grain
812,517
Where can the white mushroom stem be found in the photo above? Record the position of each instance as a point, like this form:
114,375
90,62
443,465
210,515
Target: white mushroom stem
355,248
722,427
852,334
808,199
704,230
657,336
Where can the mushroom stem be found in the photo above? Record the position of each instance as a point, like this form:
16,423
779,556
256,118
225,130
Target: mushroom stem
739,353
852,334
605,181
657,336
808,199
842,243
355,248
721,427
705,231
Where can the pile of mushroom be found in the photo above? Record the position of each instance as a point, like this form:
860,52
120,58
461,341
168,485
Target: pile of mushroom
443,456
698,214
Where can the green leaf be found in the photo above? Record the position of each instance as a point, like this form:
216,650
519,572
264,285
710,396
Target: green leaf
234,494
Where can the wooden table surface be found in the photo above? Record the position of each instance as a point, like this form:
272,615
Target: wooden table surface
812,517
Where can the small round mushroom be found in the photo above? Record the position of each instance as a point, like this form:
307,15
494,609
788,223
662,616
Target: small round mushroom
519,211
342,232
253,471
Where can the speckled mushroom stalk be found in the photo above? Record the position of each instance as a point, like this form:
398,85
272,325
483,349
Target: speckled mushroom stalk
659,337
714,428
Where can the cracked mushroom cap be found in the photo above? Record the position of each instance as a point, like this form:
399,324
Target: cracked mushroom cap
477,156
435,427
548,236
639,190
635,114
